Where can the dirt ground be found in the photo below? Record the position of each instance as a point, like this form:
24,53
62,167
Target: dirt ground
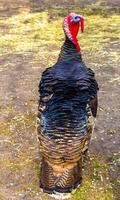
19,152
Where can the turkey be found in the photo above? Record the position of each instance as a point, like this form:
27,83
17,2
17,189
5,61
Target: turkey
67,107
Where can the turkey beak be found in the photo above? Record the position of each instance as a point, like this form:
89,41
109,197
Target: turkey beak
82,23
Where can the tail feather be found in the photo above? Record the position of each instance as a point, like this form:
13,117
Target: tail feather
64,183
47,177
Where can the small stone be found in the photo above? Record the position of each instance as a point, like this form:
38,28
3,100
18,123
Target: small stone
11,184
20,194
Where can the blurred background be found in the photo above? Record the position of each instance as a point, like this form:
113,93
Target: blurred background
31,36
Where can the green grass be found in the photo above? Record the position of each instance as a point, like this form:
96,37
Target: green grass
96,183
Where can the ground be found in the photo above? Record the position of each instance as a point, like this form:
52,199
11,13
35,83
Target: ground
30,41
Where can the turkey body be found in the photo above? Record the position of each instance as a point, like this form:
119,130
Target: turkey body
68,102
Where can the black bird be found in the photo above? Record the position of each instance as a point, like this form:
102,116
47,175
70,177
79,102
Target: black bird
67,106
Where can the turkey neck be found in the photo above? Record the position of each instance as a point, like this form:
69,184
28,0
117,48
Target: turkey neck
69,51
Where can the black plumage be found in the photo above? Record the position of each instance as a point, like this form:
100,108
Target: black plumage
68,101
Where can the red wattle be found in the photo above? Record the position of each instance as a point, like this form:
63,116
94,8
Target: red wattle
82,23
71,29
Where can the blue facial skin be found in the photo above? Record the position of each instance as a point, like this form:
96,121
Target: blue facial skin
76,19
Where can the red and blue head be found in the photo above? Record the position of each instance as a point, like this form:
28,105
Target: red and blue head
71,25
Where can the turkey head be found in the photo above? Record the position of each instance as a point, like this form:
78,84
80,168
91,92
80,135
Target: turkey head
71,25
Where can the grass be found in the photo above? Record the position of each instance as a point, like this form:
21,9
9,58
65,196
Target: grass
96,183
39,32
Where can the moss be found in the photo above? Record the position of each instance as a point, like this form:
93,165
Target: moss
113,159
95,184
90,190
37,168
99,165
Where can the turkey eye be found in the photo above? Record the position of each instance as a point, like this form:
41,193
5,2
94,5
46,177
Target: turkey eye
76,17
